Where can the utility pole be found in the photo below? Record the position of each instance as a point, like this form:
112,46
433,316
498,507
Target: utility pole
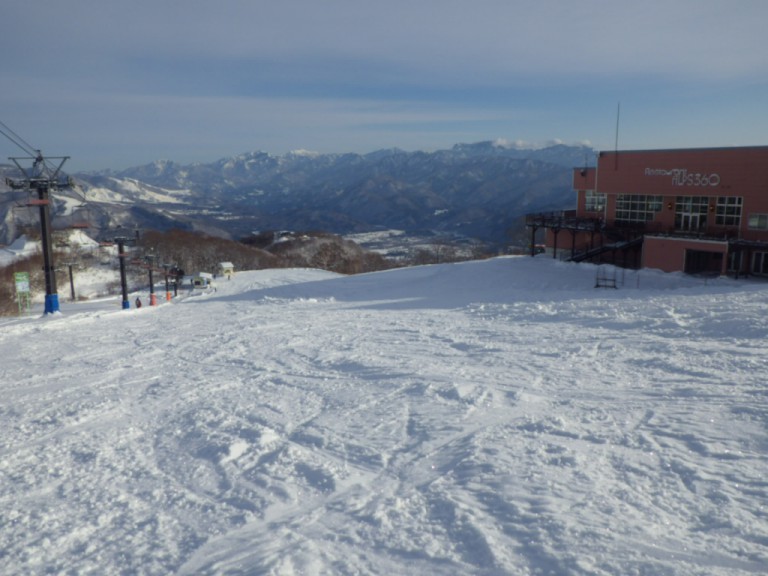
123,281
70,266
166,268
42,180
178,278
150,260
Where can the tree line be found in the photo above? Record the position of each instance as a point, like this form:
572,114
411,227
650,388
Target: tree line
194,252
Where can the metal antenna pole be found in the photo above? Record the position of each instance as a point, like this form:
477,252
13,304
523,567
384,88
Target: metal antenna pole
616,141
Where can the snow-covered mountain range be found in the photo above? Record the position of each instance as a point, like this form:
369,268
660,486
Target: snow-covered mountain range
478,190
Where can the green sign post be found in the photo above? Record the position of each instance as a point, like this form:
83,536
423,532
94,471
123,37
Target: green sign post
22,291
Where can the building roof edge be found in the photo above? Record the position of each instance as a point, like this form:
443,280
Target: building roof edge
703,149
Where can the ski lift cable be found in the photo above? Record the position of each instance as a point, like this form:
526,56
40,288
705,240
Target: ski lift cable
46,168
40,162
6,131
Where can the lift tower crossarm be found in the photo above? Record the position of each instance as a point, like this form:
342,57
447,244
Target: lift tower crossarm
40,174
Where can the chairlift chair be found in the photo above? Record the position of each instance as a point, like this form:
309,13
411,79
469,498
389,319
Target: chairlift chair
81,217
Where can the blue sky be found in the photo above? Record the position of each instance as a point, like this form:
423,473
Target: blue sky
117,84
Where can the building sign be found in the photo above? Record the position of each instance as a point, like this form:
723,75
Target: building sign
681,177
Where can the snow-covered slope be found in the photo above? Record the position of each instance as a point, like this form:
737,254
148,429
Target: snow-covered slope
128,190
23,247
496,417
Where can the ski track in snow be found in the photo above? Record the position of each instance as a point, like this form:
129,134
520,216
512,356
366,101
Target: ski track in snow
498,417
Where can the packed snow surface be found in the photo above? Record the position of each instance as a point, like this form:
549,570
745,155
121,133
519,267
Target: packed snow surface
495,417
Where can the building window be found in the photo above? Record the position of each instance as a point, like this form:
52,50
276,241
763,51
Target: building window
691,212
728,211
635,208
758,222
760,263
594,202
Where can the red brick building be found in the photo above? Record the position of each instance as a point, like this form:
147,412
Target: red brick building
694,210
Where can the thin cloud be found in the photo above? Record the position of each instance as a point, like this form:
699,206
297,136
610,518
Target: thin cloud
358,75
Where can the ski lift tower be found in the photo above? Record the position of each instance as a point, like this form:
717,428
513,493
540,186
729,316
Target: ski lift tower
42,178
